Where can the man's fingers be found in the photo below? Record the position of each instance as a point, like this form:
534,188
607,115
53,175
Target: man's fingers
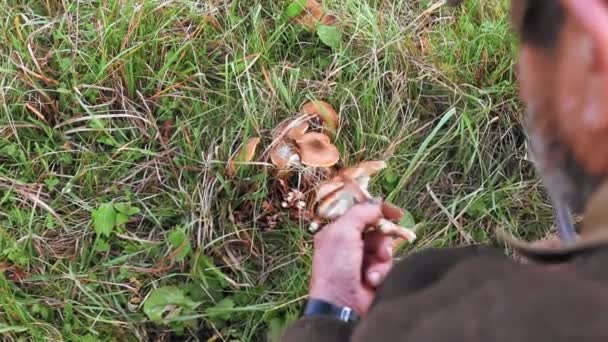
375,270
380,245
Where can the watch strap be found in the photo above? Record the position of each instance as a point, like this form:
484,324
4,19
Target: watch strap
315,307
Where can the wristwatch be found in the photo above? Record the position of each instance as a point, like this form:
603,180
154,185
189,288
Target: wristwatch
318,307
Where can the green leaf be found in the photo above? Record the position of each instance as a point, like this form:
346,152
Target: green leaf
51,183
104,219
126,208
407,221
167,303
179,240
65,63
133,211
101,245
295,9
121,218
208,276
222,310
330,36
390,176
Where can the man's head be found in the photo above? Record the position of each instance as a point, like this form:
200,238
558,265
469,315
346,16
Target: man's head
563,74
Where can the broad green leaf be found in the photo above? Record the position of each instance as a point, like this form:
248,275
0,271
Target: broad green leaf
390,176
65,63
104,219
179,240
122,207
51,183
221,310
407,221
208,276
167,303
295,9
121,218
330,36
126,208
101,245
133,211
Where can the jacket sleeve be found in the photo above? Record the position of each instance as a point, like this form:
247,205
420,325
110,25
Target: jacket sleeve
318,329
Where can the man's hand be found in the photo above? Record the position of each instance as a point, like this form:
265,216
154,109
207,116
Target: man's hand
347,264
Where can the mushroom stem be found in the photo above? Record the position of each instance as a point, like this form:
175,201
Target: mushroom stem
389,228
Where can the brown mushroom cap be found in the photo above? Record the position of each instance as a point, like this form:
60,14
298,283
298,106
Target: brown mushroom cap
364,169
327,188
323,111
298,131
317,151
336,204
389,228
284,154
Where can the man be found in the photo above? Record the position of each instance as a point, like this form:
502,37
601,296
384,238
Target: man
476,293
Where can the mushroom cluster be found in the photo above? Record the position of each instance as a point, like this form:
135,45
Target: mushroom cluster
349,187
306,176
296,146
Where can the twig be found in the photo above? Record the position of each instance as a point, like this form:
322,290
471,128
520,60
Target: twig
465,235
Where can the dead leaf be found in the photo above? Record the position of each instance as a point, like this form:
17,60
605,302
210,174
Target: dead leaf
166,131
329,20
245,155
213,22
313,14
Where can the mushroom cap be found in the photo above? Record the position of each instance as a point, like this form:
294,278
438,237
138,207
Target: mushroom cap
298,131
327,188
336,204
364,169
317,151
323,111
283,154
389,228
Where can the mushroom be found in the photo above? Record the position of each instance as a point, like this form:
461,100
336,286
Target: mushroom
297,132
317,151
297,146
284,154
325,112
348,188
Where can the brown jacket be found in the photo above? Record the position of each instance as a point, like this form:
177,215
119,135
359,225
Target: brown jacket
478,294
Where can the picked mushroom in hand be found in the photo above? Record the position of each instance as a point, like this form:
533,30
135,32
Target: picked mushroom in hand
349,187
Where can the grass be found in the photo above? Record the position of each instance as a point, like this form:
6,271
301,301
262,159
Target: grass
128,111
